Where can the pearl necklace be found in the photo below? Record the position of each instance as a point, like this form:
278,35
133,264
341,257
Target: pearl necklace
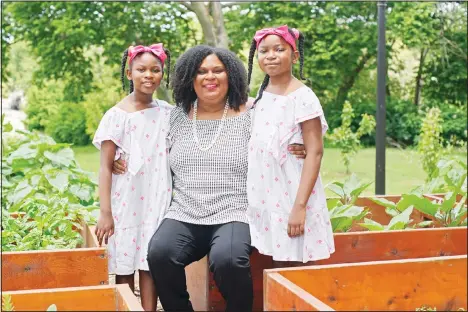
194,126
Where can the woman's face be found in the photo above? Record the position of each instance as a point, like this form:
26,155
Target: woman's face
211,82
275,56
146,73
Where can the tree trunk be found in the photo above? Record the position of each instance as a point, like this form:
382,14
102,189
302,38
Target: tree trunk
417,92
211,20
348,82
218,20
203,16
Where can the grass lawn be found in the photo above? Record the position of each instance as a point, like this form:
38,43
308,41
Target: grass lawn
404,171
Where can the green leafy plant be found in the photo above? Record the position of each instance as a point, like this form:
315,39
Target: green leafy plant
343,211
451,179
7,305
430,144
45,195
344,138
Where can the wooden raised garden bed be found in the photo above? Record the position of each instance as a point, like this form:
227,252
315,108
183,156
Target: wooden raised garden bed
40,269
92,298
400,285
351,247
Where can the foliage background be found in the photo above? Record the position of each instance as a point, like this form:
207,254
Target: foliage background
66,56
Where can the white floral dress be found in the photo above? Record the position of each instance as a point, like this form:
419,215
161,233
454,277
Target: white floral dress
140,197
274,177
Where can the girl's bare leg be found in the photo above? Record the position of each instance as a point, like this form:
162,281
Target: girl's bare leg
149,295
126,279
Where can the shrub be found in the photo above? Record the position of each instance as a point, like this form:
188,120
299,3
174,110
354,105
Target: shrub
44,186
68,124
42,103
347,140
430,141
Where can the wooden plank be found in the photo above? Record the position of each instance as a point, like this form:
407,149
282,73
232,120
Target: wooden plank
125,299
394,245
283,295
54,268
91,239
92,298
397,285
358,247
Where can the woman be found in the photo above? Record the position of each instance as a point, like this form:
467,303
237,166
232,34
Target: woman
209,134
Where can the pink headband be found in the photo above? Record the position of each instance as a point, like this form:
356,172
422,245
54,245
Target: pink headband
281,31
156,49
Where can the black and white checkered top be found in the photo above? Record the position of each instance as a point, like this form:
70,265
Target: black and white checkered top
210,187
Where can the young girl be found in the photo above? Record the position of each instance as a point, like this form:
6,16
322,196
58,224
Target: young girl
133,204
288,214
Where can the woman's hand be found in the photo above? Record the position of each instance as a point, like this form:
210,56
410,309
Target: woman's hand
296,221
119,166
297,150
104,227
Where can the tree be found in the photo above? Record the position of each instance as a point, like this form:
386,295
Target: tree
61,34
340,40
438,32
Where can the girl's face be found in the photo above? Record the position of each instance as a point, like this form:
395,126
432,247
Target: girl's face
275,56
146,72
211,82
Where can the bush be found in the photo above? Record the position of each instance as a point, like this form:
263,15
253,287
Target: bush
46,189
42,103
347,140
97,103
430,143
455,122
68,125
403,121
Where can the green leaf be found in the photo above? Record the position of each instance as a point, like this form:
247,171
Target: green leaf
83,192
63,157
333,202
22,190
424,224
23,152
400,221
383,202
392,212
372,225
449,202
336,188
59,181
357,191
420,203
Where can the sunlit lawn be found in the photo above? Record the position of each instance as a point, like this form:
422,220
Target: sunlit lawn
403,169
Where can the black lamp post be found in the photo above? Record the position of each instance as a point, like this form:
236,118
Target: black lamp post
381,110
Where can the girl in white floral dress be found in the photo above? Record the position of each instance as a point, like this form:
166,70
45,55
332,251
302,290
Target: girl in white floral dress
287,213
133,204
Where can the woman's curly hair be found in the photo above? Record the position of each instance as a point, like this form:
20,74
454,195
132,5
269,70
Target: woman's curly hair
186,69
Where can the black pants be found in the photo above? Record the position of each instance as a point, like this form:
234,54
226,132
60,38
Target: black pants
177,244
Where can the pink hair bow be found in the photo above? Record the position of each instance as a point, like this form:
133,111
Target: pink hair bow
281,31
157,49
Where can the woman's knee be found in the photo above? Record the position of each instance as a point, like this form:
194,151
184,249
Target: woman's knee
230,257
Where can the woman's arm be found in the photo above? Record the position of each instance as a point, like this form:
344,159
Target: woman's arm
313,143
105,225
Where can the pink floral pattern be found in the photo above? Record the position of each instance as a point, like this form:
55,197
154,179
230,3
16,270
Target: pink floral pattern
274,176
137,206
